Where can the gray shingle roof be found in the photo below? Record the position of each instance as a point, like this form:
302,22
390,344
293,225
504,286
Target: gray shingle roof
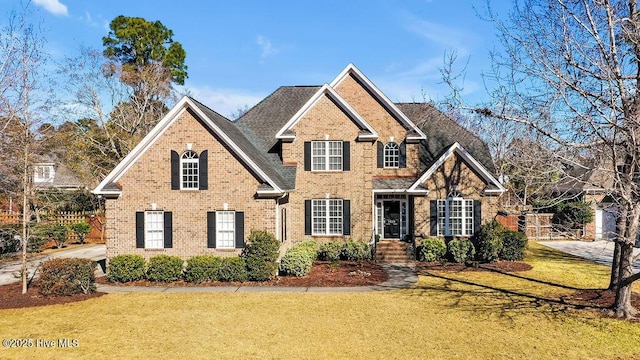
442,132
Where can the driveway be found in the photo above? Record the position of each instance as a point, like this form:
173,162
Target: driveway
89,251
599,251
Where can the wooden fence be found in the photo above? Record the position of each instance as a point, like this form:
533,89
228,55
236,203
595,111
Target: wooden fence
96,222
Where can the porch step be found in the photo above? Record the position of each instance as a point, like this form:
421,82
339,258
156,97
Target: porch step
393,251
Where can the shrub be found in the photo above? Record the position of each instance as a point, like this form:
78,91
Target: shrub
489,242
233,269
67,276
37,238
260,255
44,233
81,230
9,239
460,250
330,251
164,268
298,260
202,268
432,249
355,251
125,268
311,246
513,245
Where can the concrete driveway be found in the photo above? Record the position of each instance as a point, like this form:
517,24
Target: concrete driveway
598,251
8,270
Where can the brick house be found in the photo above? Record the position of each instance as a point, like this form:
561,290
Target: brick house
328,162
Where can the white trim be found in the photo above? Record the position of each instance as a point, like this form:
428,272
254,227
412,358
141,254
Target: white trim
404,191
470,160
157,132
219,230
391,107
330,92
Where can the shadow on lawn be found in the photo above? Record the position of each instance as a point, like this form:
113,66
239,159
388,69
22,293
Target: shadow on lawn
489,300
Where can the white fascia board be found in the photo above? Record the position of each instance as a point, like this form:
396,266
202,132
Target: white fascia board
160,128
458,149
352,69
331,92
403,191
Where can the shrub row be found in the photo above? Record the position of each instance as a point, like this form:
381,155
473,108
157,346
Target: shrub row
298,260
492,242
348,250
67,276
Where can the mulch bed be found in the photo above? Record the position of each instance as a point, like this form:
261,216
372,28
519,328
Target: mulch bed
11,297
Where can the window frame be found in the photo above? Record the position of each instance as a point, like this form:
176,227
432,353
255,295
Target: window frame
193,160
455,217
223,230
327,215
149,230
391,155
326,154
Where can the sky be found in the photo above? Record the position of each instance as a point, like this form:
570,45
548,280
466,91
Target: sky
238,52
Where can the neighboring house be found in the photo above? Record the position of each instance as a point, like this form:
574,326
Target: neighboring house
332,162
51,174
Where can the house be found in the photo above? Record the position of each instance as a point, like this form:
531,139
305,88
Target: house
331,162
49,173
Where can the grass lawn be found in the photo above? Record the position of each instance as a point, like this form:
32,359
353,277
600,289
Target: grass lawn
464,315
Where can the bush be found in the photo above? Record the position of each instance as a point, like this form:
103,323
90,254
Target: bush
43,233
489,242
355,251
233,269
460,250
125,268
9,239
202,268
311,246
330,251
260,255
164,268
298,260
513,245
432,249
81,230
67,276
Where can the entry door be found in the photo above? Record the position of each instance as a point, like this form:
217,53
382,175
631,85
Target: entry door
391,219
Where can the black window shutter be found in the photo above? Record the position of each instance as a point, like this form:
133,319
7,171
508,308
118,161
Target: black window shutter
403,154
211,229
380,155
346,217
307,217
239,229
411,214
346,156
168,230
175,171
140,229
307,156
203,170
433,218
477,215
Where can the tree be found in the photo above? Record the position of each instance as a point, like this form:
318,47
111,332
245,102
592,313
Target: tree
568,70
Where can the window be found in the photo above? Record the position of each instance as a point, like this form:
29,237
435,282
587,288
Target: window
455,217
326,217
326,155
154,229
391,155
189,170
43,173
225,229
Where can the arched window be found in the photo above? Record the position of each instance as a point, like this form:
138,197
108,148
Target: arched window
391,155
189,170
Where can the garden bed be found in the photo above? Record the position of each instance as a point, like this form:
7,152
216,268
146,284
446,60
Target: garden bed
11,297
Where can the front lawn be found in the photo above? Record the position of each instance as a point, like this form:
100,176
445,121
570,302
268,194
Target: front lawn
447,315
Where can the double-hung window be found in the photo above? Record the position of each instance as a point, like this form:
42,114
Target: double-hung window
455,217
391,155
226,229
326,155
189,171
154,229
326,217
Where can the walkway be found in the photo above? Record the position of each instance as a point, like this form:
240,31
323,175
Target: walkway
401,276
598,251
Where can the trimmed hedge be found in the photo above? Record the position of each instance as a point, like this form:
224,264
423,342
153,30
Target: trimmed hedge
202,268
330,251
513,245
432,249
233,269
298,260
164,268
460,250
260,255
355,251
489,242
67,276
125,268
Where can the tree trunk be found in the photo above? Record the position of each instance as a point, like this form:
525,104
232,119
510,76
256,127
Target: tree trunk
615,266
622,306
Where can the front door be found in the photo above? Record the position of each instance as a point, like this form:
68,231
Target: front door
391,219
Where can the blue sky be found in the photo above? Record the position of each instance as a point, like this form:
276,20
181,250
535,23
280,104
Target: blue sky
238,52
